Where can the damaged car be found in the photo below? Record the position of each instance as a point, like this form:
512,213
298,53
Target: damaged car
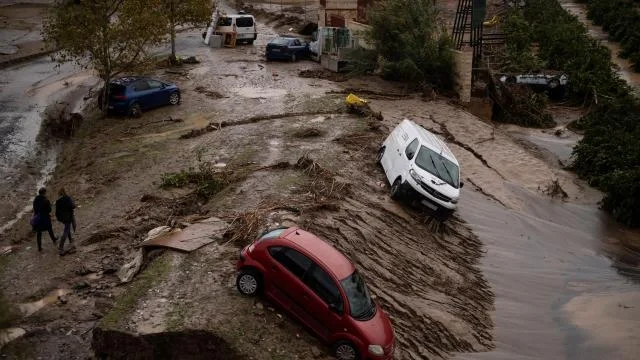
316,284
421,168
538,80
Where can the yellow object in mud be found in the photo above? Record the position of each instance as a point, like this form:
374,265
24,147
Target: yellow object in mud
492,22
356,101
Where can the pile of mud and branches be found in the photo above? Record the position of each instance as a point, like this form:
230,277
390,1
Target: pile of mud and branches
205,179
321,192
215,126
323,74
518,104
60,121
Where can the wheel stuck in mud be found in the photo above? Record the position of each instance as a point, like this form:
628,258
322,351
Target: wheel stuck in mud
249,282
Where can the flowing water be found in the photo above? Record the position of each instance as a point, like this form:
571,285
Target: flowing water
565,288
567,283
26,163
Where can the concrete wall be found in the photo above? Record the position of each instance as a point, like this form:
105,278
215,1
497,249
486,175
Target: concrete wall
357,30
463,68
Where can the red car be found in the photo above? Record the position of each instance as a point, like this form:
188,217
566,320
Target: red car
320,287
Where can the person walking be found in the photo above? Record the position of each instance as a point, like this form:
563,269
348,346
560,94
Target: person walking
64,214
41,220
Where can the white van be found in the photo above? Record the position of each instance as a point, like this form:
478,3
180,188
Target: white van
244,25
420,166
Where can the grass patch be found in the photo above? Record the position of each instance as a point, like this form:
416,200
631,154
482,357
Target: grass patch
206,179
176,317
125,304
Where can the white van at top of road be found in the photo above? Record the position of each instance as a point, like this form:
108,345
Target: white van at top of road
244,25
420,166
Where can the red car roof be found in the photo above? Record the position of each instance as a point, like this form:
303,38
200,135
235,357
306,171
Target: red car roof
321,251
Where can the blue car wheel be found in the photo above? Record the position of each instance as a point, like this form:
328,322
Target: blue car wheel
174,98
135,110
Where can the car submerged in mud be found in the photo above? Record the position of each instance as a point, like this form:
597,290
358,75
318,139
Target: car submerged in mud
319,286
421,168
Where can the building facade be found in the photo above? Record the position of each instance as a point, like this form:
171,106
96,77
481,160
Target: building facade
339,12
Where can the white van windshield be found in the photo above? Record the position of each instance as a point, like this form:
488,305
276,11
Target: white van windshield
439,166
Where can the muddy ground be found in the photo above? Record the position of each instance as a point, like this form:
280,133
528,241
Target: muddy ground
426,274
113,162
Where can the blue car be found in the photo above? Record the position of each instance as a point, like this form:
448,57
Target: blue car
287,48
134,94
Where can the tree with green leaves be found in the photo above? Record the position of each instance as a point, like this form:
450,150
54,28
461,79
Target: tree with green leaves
184,12
108,36
411,42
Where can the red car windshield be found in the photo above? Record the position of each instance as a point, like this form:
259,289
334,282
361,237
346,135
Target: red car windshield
360,302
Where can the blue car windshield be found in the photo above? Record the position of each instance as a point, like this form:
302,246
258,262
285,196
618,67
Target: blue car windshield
439,166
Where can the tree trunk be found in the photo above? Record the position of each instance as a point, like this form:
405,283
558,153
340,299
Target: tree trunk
172,30
173,59
105,95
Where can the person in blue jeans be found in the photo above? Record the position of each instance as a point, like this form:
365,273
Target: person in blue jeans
41,220
64,214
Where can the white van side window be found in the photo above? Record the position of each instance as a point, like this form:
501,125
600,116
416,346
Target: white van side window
412,149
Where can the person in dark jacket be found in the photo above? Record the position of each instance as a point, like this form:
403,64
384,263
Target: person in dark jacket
41,219
64,214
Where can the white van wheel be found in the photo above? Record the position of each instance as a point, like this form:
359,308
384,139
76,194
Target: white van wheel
380,155
396,189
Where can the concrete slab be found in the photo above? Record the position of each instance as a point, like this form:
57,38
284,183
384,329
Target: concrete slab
190,238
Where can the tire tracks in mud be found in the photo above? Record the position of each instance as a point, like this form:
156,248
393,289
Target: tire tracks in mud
444,131
427,281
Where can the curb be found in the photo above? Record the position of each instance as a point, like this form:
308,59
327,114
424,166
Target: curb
20,59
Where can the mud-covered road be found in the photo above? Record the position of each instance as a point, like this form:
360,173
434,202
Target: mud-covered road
514,274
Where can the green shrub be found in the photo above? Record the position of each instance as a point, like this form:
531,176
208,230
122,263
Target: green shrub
621,20
413,47
206,180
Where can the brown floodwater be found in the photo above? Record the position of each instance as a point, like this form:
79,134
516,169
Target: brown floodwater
565,286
